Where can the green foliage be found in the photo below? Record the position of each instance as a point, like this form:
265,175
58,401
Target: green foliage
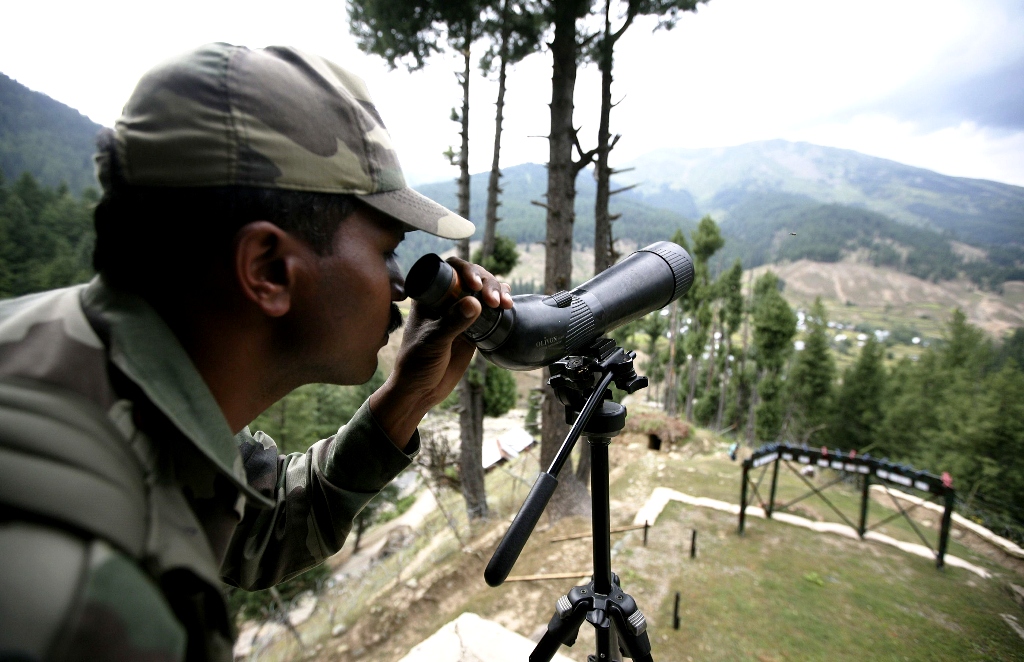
1012,349
774,324
44,137
517,25
858,412
313,412
955,410
768,227
768,415
382,507
46,237
398,32
730,288
811,377
499,391
532,420
707,239
504,258
260,604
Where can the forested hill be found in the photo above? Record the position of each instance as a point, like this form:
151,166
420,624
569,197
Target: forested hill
760,227
524,221
39,135
717,180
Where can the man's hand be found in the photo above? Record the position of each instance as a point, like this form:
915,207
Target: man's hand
434,355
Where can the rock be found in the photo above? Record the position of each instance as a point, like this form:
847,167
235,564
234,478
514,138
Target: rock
1017,593
398,538
338,630
255,636
470,638
304,606
412,583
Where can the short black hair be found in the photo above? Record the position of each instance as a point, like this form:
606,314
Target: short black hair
141,232
146,234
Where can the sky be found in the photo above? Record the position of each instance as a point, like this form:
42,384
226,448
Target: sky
937,84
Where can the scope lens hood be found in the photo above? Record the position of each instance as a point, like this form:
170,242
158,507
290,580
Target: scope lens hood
429,280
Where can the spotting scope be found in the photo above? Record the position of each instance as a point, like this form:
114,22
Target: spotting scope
540,329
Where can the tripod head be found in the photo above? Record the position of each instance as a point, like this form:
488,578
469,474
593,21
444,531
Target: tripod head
574,378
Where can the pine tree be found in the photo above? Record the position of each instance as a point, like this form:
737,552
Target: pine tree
774,327
810,379
858,412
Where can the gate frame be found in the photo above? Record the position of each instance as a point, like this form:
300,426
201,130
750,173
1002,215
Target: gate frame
939,487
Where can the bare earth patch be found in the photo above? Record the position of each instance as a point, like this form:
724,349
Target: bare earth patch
897,294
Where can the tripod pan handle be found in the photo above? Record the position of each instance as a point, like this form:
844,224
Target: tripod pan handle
512,544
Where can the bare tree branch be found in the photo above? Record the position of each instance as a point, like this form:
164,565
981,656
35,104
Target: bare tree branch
623,189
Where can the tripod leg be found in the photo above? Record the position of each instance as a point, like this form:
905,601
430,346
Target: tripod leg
564,626
631,627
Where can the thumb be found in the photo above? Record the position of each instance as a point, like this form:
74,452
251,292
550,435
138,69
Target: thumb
459,317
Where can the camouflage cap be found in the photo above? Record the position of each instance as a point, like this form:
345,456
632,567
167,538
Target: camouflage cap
275,118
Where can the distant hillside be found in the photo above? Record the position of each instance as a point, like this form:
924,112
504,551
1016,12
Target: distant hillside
772,227
718,180
759,226
641,222
44,137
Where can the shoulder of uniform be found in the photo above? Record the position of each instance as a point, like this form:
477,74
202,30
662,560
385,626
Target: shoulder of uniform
64,596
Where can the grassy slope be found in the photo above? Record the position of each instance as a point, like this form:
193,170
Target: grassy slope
744,598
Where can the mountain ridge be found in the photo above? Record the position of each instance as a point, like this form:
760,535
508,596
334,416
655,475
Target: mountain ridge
977,211
44,137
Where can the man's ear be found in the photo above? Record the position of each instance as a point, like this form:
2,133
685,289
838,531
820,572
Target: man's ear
268,262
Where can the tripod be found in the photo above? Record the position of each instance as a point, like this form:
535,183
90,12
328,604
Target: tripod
581,384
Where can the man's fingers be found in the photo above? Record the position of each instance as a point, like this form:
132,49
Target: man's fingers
477,279
459,317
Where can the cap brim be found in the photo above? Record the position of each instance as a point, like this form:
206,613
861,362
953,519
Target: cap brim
420,212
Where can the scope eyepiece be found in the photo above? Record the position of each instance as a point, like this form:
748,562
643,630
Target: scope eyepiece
541,329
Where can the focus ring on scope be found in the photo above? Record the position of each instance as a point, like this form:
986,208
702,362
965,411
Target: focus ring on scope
581,325
681,267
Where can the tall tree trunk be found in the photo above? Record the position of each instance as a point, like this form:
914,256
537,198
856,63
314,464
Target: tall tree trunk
570,497
493,188
711,357
471,387
670,379
463,192
743,359
725,381
694,368
602,217
753,406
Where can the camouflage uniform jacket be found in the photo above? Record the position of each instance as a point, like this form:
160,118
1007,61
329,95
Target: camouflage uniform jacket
186,502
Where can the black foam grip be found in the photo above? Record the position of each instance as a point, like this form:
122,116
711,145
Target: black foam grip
512,544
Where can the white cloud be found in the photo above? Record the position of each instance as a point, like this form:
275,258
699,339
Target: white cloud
737,71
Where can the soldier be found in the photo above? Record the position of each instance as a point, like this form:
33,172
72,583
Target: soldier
252,204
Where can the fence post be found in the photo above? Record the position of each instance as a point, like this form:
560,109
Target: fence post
743,494
947,517
693,545
675,614
775,479
865,497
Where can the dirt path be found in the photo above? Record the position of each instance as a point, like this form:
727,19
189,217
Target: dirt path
352,564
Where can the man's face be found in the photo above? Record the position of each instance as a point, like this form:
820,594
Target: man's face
351,312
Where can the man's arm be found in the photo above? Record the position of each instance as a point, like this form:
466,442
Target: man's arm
317,495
